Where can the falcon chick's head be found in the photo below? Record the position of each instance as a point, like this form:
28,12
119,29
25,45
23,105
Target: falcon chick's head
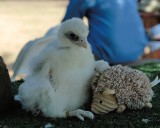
73,33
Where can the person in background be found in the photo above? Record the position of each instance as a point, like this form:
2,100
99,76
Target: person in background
117,33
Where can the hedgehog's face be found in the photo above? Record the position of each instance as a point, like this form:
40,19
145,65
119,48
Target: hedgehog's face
104,102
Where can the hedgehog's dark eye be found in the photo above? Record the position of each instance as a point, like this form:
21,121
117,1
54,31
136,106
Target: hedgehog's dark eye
72,36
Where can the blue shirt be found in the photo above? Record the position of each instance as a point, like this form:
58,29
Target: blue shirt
116,33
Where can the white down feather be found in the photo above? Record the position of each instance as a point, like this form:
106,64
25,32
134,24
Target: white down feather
61,73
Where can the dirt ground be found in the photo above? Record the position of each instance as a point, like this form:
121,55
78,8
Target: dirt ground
22,21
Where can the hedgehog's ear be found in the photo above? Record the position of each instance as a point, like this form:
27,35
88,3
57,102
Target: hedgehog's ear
108,91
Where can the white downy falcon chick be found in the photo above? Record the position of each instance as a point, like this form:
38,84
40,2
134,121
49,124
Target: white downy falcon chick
61,72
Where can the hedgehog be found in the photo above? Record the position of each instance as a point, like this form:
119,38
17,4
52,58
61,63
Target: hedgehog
132,87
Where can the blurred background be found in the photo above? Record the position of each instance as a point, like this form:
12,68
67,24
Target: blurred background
25,20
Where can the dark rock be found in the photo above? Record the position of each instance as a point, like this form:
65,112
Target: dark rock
6,97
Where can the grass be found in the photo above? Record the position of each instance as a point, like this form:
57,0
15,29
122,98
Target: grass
144,118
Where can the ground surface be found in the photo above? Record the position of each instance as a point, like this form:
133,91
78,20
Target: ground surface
21,21
145,118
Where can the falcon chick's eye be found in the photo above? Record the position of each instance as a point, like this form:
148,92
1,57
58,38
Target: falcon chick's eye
72,36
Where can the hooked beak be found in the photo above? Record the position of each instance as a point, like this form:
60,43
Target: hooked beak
83,43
